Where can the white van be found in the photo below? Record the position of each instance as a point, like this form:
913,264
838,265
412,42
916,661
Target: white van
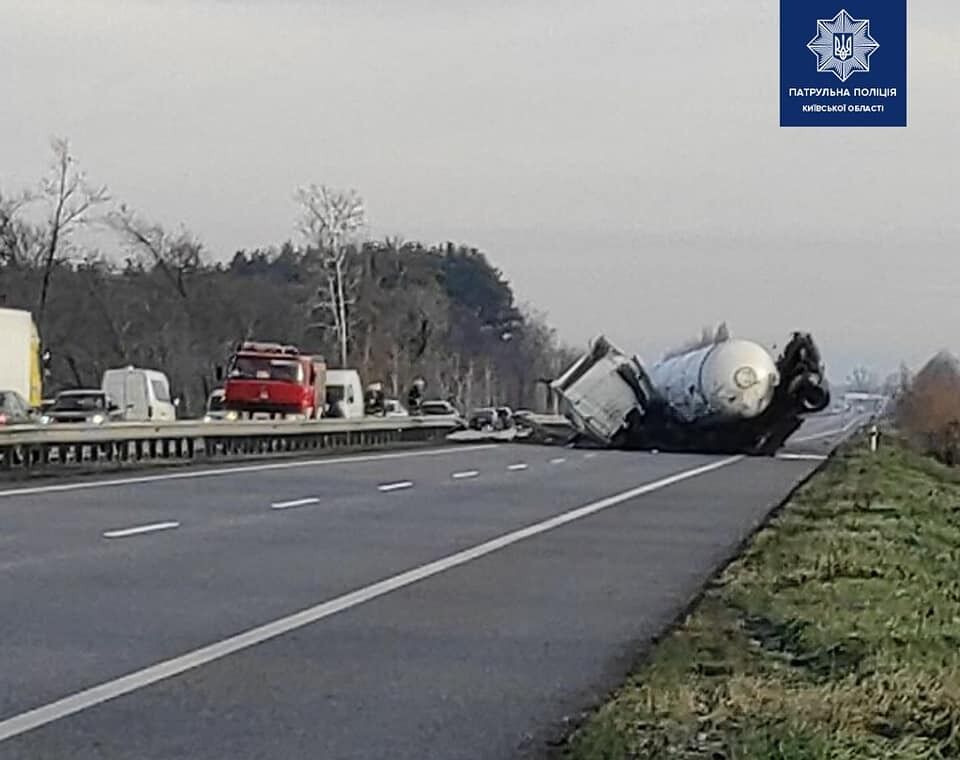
141,394
344,394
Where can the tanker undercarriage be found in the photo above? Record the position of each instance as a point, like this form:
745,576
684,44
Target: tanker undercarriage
730,396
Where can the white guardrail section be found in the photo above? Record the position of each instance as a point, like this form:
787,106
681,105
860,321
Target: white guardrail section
34,448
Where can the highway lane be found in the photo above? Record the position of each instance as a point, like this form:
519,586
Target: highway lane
461,664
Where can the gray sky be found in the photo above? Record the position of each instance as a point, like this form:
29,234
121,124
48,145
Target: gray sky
620,161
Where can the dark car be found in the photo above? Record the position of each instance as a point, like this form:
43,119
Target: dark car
14,410
89,406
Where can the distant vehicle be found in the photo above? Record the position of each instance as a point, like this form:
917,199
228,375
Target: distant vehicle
14,410
142,395
91,406
438,409
485,418
393,408
273,379
21,368
344,394
216,407
505,417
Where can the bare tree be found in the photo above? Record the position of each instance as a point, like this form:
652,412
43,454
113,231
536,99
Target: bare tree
175,255
329,221
18,238
72,202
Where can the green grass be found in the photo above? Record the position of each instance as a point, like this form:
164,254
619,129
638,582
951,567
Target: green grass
835,635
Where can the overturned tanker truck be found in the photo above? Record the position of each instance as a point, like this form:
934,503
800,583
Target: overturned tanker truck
730,396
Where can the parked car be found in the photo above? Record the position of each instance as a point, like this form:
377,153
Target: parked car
483,419
89,406
216,407
491,418
438,408
393,408
14,409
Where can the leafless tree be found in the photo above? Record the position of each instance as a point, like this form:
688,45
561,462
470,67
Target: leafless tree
72,201
18,238
174,254
329,221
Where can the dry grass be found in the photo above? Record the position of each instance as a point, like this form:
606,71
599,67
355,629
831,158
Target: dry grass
836,635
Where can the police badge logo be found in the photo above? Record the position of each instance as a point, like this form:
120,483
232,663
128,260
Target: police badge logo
843,45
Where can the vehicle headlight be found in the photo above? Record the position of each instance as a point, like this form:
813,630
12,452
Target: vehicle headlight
46,419
745,377
97,419
231,415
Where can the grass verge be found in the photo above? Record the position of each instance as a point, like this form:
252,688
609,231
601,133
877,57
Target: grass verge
835,635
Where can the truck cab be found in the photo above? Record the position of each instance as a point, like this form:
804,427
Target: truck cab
274,379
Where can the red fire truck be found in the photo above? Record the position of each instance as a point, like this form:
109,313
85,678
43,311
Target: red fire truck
274,379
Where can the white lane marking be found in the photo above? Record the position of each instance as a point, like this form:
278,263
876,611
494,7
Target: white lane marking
802,457
591,455
241,469
558,460
827,434
518,466
465,474
387,487
140,529
294,503
40,716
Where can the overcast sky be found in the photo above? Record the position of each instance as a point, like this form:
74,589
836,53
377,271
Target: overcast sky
620,160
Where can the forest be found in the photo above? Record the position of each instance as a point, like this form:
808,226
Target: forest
147,296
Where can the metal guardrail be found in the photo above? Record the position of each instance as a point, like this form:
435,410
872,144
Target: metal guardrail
28,448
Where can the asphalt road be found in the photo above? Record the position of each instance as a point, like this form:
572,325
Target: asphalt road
452,603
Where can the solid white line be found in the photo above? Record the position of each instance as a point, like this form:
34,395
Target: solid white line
140,529
802,457
558,460
386,487
95,695
591,455
519,466
827,434
465,474
295,503
243,468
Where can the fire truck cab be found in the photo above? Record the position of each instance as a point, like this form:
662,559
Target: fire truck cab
274,379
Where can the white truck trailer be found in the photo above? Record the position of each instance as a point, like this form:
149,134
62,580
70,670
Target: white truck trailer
20,367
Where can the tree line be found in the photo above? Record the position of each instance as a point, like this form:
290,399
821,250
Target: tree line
395,310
